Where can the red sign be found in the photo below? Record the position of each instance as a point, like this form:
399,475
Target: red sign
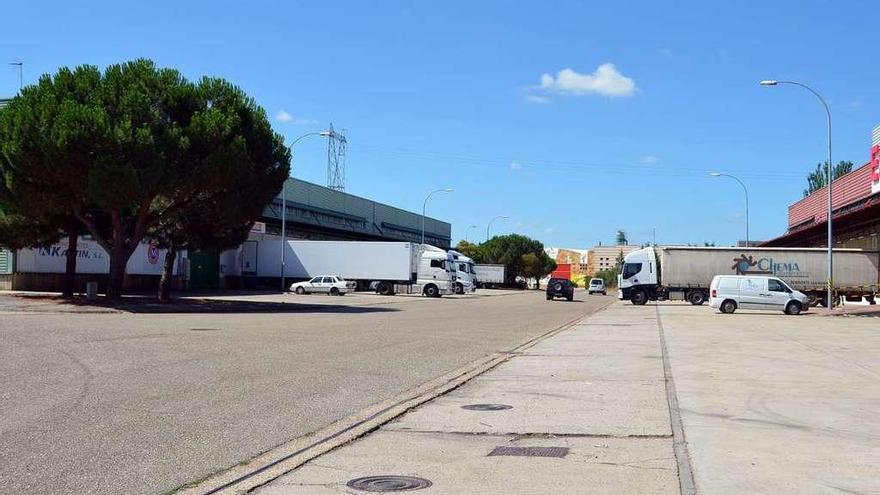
875,168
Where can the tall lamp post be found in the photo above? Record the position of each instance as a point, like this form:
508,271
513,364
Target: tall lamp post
490,224
467,231
830,179
719,174
425,206
284,200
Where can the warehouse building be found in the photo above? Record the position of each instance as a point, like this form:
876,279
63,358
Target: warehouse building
855,206
313,212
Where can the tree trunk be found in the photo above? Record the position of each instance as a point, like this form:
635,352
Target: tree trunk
167,273
70,268
118,259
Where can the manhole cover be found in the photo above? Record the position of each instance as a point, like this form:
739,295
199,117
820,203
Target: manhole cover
531,451
487,407
388,483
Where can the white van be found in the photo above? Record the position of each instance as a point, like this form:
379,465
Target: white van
729,292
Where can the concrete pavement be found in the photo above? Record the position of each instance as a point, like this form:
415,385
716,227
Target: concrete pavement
146,399
596,389
768,403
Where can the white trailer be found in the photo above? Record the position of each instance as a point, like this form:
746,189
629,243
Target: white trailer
489,276
386,267
659,273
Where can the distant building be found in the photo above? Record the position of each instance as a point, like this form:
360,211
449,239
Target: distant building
606,257
855,206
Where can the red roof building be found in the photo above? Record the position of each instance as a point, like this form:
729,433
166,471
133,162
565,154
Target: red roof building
855,206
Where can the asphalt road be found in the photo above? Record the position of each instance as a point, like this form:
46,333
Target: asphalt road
145,402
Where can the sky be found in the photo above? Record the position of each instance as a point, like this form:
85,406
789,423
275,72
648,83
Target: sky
573,119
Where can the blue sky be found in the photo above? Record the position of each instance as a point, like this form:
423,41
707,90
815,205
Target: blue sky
450,94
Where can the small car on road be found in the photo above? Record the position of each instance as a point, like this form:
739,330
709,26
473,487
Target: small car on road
597,286
326,284
560,287
727,293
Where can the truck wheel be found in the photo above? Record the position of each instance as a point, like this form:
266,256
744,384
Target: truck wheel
728,307
432,291
812,300
300,290
793,308
459,288
696,297
385,289
639,298
334,291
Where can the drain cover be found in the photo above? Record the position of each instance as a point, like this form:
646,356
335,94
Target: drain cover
531,451
388,483
487,407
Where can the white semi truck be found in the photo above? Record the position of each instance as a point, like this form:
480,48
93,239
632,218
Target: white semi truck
489,276
386,267
465,276
684,273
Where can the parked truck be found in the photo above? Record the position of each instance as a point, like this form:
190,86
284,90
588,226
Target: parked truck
465,276
386,267
489,276
684,273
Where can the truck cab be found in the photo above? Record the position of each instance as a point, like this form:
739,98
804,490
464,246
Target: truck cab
436,273
637,276
465,274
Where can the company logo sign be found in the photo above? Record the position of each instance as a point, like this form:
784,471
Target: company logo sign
875,168
748,265
153,253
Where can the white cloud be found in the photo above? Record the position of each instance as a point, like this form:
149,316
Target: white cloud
537,99
285,117
606,80
515,165
650,159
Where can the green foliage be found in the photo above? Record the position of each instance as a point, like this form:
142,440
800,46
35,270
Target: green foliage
609,276
511,250
470,250
139,149
818,178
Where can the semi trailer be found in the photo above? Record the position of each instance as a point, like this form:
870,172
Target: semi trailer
489,276
385,267
685,273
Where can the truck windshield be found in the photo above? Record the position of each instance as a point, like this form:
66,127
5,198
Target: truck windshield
630,269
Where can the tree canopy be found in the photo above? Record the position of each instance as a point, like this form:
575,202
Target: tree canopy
521,255
137,149
817,179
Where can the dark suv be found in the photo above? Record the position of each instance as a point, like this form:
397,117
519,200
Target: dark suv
560,287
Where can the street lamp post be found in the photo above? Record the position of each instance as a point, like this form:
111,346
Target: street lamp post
284,200
490,224
830,179
719,174
467,231
425,206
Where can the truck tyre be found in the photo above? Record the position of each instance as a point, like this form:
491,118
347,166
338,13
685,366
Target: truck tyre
728,307
549,297
696,297
300,291
459,288
793,308
812,300
570,298
334,291
432,291
385,289
639,298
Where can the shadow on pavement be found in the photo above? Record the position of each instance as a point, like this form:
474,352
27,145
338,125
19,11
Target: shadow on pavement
138,304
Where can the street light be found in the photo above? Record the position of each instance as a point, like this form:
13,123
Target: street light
425,205
284,199
830,179
719,174
467,231
490,224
